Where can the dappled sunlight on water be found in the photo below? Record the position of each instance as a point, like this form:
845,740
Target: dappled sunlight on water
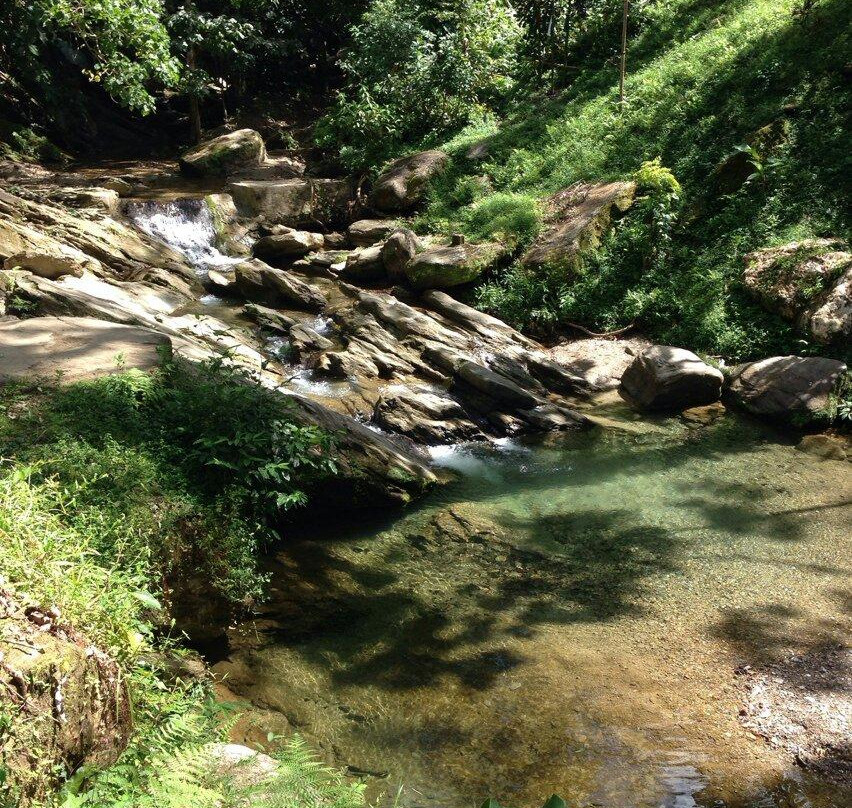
565,618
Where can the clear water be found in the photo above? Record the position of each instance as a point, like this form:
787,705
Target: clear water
565,617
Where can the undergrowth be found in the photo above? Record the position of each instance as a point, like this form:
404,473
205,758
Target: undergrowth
711,86
109,491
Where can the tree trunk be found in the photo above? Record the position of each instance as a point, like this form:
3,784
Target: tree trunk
623,68
194,110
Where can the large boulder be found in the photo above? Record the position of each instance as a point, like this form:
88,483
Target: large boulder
65,701
576,219
294,202
73,348
403,184
425,417
808,283
445,267
366,232
287,246
365,265
495,386
397,251
260,283
52,263
785,388
225,154
666,378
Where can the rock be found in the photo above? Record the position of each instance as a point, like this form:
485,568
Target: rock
827,447
366,232
365,265
231,233
69,349
734,170
65,701
553,418
305,340
471,319
425,417
220,282
403,184
225,154
117,184
269,319
97,198
479,151
445,267
557,378
792,389
576,219
666,378
294,202
52,265
261,283
808,283
600,362
704,416
397,251
279,167
241,766
494,386
287,246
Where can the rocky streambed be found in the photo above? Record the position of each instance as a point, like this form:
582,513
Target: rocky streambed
567,610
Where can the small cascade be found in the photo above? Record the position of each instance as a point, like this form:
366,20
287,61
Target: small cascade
184,224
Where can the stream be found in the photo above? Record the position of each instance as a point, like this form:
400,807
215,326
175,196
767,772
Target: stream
566,616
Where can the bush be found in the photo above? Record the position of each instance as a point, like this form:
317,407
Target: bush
512,218
416,71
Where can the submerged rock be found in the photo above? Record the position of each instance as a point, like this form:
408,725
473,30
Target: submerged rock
786,388
808,283
225,154
403,184
666,378
576,220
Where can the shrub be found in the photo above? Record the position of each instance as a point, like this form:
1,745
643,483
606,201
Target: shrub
509,217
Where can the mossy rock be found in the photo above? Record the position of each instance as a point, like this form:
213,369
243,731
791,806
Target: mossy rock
225,154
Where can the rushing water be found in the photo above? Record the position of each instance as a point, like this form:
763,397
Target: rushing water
185,224
564,618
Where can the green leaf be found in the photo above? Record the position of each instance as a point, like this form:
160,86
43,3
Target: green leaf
555,802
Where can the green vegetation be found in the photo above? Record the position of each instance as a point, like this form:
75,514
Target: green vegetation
111,490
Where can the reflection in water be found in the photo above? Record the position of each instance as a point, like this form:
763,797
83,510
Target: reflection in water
565,618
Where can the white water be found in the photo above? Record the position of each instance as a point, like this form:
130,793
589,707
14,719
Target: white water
184,224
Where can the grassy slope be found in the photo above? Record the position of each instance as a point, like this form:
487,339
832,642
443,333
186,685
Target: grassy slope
703,76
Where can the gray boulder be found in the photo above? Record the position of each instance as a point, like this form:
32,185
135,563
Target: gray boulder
445,267
666,378
293,202
366,232
403,184
260,283
426,417
785,388
225,154
397,251
288,246
365,265
495,386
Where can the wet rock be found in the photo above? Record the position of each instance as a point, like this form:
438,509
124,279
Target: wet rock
828,447
263,284
366,232
306,340
553,418
270,319
295,202
365,265
787,388
65,700
576,219
88,198
287,246
704,416
225,154
445,267
425,417
402,186
494,386
231,233
69,349
397,251
666,378
808,283
220,282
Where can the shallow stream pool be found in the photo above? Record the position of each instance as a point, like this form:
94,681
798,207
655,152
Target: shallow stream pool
566,617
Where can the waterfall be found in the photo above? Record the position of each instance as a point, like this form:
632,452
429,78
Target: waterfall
184,224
